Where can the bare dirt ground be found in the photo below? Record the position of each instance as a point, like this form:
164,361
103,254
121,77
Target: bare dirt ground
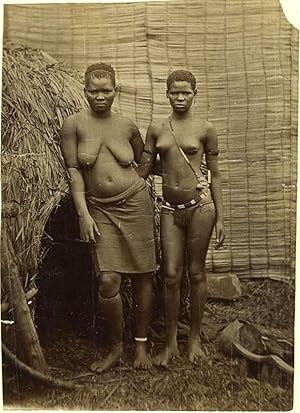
214,383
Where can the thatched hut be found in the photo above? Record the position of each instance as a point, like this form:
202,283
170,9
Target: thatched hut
38,93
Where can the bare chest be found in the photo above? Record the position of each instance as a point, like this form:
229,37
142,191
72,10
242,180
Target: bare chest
109,137
191,140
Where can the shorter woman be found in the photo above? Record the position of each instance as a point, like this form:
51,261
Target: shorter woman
114,208
190,209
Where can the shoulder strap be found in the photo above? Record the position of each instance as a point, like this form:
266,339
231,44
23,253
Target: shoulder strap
182,152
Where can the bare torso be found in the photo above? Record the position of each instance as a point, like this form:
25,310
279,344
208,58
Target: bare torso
179,181
105,154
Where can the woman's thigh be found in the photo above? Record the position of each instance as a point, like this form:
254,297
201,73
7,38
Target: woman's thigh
173,244
198,238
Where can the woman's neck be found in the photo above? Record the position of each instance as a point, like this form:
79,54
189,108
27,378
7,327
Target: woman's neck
181,116
101,115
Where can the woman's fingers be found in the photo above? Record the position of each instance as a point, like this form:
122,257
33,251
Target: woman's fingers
92,237
85,234
89,230
220,235
96,229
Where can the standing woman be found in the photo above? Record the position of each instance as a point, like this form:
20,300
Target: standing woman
113,206
190,208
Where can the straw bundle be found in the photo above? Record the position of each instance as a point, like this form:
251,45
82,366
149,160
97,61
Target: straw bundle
37,95
244,56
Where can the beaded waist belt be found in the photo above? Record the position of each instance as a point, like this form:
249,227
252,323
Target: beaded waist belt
189,204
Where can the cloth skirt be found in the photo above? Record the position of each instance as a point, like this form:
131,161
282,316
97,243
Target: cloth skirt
126,224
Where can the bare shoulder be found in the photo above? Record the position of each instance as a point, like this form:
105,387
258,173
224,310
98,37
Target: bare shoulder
209,128
202,125
156,127
73,120
124,120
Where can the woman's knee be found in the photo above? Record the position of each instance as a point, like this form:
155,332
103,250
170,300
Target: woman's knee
109,284
198,277
173,277
196,267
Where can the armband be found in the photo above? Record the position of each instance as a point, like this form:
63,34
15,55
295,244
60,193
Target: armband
212,152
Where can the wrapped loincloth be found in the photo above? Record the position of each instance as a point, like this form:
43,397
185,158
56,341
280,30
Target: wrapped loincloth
126,225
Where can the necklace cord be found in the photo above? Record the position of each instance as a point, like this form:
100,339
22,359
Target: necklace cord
182,152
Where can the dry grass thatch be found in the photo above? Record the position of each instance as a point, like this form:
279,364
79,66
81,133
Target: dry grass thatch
38,93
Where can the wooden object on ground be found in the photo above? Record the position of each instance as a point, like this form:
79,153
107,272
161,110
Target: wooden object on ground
29,295
26,332
46,379
271,368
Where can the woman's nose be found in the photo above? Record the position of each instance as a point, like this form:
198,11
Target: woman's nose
100,96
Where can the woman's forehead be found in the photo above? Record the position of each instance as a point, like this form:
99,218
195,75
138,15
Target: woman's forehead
103,82
180,85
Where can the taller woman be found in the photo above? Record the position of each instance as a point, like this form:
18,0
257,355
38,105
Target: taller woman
113,206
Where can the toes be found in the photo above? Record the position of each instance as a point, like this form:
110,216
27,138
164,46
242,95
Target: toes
144,365
161,363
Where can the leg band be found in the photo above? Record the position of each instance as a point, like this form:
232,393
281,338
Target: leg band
108,298
141,339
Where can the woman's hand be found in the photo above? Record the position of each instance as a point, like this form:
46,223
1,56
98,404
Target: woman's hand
88,228
220,234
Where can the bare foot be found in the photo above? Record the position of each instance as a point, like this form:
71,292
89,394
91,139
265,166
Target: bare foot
142,359
195,351
163,358
111,360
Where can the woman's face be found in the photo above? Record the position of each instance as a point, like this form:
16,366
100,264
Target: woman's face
181,96
100,94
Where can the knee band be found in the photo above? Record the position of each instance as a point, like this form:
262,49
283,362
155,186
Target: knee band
108,298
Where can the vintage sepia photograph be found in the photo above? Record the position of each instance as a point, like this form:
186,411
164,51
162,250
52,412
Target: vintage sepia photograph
149,188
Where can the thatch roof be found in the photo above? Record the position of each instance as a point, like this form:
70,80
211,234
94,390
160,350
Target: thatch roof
38,93
244,55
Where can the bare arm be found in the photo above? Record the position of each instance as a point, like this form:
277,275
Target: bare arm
136,143
211,154
76,182
149,155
